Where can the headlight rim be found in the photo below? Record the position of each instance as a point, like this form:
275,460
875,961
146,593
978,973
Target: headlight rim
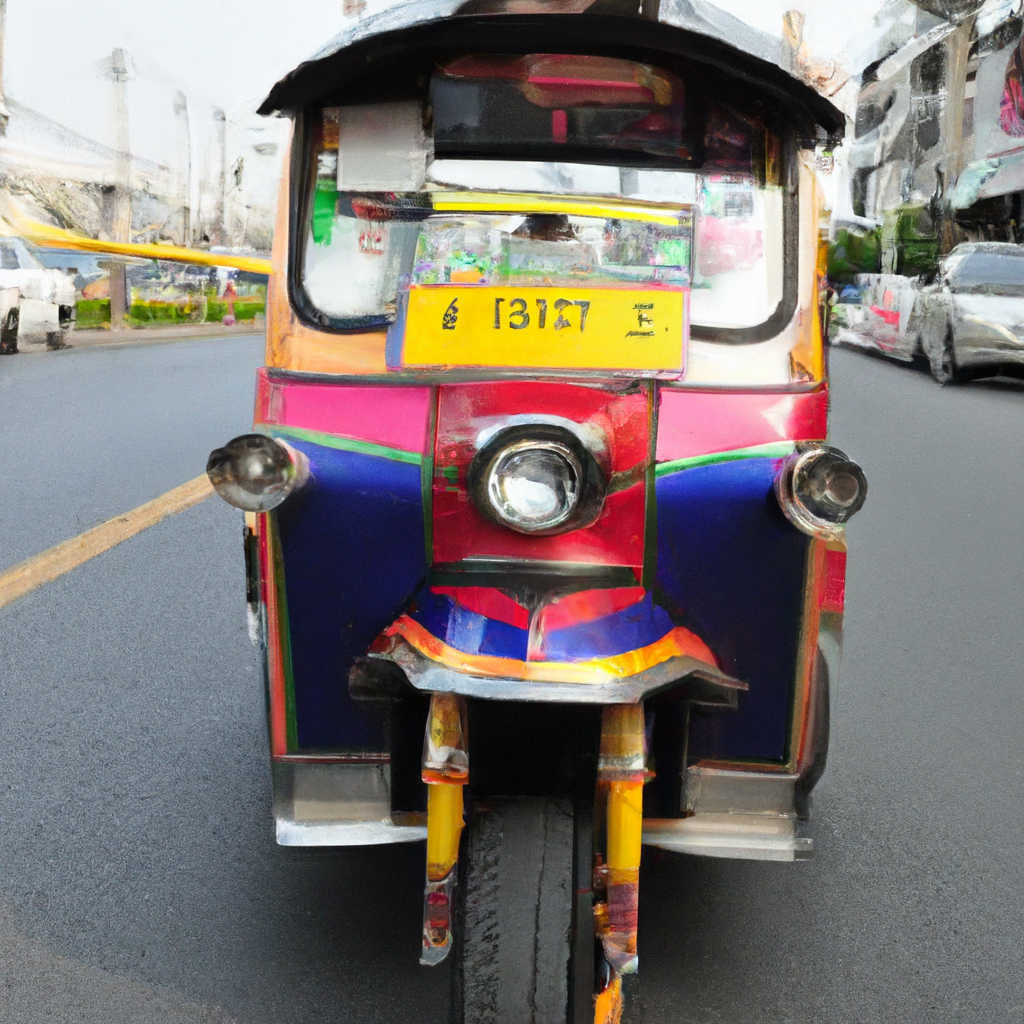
521,438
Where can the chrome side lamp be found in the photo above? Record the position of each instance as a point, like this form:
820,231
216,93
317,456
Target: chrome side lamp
820,489
255,472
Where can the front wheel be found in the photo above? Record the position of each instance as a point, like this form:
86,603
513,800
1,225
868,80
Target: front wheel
524,942
56,340
945,369
9,333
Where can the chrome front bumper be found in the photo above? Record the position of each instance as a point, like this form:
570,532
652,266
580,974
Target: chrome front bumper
337,805
737,814
742,815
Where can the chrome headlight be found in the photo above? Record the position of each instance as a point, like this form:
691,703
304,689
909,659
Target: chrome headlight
820,489
534,485
537,480
255,472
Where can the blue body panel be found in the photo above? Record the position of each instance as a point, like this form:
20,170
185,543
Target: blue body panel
466,630
354,552
731,568
627,630
637,626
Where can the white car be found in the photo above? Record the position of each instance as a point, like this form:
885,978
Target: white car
37,304
973,314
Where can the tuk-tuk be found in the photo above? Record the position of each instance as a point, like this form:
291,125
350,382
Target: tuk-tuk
543,534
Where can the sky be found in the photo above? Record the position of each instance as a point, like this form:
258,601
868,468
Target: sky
225,53
228,53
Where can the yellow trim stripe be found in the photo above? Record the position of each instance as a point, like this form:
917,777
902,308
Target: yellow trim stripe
539,202
47,566
48,236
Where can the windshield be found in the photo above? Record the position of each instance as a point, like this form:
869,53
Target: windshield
545,170
990,273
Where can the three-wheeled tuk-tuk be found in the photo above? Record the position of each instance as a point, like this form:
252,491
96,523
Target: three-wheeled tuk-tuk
544,536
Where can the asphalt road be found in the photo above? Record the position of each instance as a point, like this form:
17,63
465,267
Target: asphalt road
139,880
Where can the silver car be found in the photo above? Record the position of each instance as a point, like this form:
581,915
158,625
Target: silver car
972,316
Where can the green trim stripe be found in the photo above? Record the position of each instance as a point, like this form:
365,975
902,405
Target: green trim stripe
345,444
772,450
284,636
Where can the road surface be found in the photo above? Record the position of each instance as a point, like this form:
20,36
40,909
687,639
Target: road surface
139,880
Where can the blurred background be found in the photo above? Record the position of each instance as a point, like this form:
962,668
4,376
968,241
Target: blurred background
140,878
136,125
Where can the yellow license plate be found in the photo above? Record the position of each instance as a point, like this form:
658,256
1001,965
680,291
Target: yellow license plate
636,329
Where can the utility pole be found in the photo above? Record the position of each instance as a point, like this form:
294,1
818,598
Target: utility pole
957,50
183,161
121,221
4,112
220,233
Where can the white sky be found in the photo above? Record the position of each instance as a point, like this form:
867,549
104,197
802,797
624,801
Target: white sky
226,53
230,52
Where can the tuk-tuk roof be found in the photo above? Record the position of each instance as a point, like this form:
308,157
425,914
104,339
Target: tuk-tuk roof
690,28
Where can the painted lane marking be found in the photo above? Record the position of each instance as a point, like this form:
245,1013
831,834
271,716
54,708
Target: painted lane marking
48,565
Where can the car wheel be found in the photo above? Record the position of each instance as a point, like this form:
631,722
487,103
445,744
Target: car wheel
9,334
945,369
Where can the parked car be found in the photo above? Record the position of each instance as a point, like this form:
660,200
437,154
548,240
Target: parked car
878,312
972,316
37,304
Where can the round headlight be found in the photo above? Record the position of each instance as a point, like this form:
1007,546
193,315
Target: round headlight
534,485
255,472
820,489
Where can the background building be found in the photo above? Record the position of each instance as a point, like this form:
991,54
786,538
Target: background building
931,162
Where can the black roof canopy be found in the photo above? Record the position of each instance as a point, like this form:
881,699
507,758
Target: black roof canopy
392,53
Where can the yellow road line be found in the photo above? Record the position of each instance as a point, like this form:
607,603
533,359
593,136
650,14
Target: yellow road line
48,565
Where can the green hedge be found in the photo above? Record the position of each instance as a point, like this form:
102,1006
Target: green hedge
245,309
143,313
917,244
92,313
856,250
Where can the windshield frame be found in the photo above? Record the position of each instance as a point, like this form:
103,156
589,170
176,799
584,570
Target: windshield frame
303,172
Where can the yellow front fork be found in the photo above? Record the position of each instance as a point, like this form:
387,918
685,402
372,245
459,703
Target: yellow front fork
621,775
445,771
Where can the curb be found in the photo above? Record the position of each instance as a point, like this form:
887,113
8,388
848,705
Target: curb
145,335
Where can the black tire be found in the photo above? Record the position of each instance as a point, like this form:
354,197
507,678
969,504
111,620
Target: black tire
9,334
947,372
820,734
524,945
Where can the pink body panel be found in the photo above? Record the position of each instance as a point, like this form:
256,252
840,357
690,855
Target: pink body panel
692,423
833,594
396,417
